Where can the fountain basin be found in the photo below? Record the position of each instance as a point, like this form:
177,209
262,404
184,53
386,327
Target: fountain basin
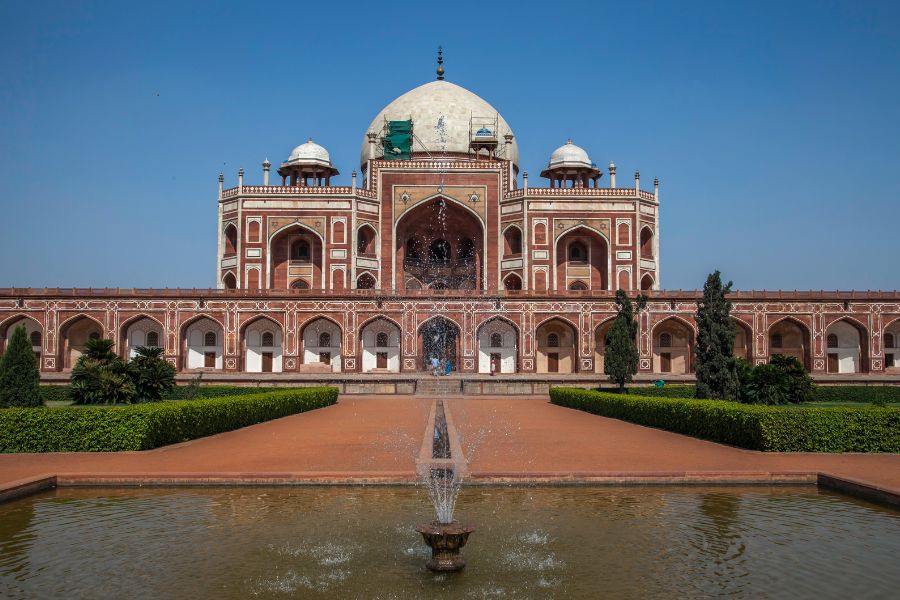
445,541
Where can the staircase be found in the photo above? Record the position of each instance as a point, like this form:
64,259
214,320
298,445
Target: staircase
439,386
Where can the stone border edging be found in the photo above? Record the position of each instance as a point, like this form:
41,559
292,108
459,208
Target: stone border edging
22,488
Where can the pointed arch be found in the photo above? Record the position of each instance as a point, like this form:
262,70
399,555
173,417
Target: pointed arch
74,333
366,240
322,339
556,339
600,332
129,340
494,357
231,239
743,340
672,343
647,282
512,282
366,281
646,243
850,353
794,336
512,241
34,330
890,336
229,281
262,339
380,357
438,337
196,351
278,248
582,253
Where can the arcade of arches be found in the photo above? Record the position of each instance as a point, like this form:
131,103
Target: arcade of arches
474,336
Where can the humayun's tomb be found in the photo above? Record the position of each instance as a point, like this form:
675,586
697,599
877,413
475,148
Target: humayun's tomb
439,230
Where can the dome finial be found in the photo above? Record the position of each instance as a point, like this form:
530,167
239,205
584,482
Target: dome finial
440,69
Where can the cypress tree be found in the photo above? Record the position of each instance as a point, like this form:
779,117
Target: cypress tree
19,377
620,361
717,367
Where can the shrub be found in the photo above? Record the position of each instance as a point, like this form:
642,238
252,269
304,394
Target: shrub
145,426
101,377
19,377
152,376
768,428
857,393
55,393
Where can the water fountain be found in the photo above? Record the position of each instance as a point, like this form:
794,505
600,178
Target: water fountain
441,468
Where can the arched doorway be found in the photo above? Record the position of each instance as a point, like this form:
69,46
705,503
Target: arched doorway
497,347
556,347
33,331
673,343
365,241
582,259
439,338
647,243
600,345
296,253
322,344
891,343
262,346
73,336
203,344
512,242
380,339
142,332
845,350
439,245
743,341
790,338
646,283
512,282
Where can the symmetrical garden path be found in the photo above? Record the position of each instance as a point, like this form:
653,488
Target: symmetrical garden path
378,438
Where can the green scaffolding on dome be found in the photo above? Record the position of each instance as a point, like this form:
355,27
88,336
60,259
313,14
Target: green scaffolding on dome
398,140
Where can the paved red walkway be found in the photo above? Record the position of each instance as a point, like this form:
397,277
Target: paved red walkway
380,437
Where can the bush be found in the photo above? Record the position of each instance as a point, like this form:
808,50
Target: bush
857,393
55,393
152,376
146,426
19,377
101,377
768,428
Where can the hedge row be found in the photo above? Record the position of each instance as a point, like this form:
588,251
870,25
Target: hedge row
145,426
769,428
57,393
822,393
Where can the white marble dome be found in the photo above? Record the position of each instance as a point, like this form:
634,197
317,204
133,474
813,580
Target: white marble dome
570,155
433,103
309,153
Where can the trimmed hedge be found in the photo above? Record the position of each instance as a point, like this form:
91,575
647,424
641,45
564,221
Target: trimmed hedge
822,393
60,393
146,426
757,427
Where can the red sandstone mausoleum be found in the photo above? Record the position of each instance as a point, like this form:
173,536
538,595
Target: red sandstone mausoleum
441,245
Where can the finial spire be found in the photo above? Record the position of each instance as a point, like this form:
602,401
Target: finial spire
440,69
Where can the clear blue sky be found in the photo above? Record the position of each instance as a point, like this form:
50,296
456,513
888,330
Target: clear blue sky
773,127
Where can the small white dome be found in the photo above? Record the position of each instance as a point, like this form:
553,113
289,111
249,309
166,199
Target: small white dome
570,155
309,153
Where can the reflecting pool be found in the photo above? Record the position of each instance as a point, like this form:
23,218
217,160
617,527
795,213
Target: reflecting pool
531,542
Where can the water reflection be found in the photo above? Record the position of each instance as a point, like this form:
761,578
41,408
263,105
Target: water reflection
532,543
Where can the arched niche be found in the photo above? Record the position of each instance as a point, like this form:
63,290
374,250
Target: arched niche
789,337
380,340
203,342
556,347
262,344
296,255
322,345
498,343
582,255
439,245
73,336
673,342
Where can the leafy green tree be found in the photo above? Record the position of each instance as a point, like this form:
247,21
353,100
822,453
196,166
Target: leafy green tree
799,385
101,377
151,374
19,377
620,361
716,367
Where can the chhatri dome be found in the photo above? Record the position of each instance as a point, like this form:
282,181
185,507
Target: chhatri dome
442,114
571,163
308,162
309,153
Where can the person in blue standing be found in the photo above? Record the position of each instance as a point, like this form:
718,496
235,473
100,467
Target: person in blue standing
448,368
434,365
